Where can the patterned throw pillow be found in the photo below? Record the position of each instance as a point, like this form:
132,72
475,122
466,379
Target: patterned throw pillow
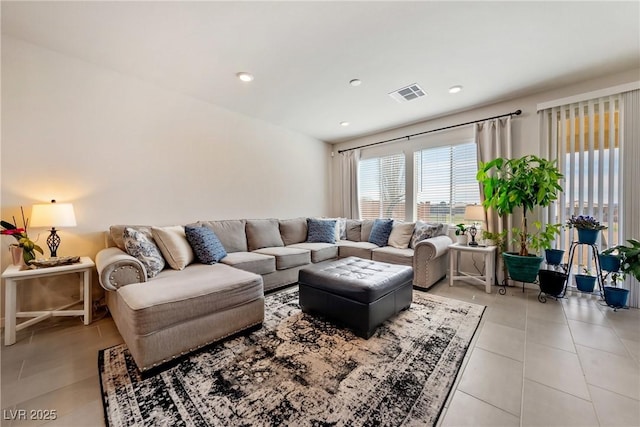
426,230
380,232
139,245
205,244
321,230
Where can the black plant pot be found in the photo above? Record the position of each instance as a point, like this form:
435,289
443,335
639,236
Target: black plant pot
552,282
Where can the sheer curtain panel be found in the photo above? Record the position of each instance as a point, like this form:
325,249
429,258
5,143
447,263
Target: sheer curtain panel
349,168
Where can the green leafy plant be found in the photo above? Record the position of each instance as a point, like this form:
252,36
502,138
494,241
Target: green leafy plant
541,239
500,239
29,248
629,257
461,229
525,182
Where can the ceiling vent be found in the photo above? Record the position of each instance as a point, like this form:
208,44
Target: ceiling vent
407,93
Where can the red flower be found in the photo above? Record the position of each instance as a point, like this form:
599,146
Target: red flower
13,231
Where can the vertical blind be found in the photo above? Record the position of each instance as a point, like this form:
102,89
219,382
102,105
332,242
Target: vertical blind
584,138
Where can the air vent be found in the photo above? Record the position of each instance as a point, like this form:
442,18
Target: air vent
407,93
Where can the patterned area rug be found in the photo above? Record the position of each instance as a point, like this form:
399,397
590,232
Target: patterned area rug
300,370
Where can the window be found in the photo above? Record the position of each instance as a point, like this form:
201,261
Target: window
445,182
381,187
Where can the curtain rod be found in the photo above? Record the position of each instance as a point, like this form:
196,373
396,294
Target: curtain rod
407,137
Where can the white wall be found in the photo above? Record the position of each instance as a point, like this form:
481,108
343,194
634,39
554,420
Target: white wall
126,151
524,127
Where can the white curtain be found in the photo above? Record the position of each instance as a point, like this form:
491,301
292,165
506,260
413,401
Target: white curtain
493,138
349,169
630,172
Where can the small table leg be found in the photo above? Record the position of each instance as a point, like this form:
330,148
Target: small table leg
451,269
86,297
490,272
10,312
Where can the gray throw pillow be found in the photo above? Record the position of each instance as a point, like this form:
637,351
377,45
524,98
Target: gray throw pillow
426,230
140,246
354,230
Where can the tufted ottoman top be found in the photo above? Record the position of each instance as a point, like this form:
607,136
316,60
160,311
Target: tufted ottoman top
355,278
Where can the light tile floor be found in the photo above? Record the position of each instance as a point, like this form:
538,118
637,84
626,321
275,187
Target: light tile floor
570,362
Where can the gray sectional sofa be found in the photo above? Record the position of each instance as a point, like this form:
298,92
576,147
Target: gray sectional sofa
188,305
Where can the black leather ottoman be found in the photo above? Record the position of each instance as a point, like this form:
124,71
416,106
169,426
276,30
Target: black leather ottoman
355,292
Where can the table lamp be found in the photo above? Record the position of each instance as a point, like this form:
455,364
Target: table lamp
474,213
53,215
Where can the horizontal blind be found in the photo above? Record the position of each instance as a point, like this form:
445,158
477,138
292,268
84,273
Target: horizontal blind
381,187
446,182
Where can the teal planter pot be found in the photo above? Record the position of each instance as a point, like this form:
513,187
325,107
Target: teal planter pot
522,268
588,237
553,256
615,297
585,283
609,262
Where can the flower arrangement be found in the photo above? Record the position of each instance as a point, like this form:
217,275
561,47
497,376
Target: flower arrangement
20,234
585,222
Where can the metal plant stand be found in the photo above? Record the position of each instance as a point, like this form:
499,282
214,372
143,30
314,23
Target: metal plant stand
596,260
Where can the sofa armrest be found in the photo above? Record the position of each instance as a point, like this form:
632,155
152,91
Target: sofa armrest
116,268
434,247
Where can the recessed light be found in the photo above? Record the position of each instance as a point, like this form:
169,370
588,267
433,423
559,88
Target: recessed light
355,82
245,77
345,124
455,89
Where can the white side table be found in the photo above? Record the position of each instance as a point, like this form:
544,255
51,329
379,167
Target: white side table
13,275
489,253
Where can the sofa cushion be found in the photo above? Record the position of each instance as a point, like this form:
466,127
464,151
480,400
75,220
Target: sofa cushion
142,247
354,230
393,255
165,301
231,233
263,233
116,233
348,248
401,234
251,261
205,244
287,257
380,231
319,251
321,230
426,230
293,230
174,246
365,229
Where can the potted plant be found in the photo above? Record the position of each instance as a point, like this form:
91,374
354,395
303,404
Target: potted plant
588,228
524,183
25,245
551,281
585,282
461,234
629,258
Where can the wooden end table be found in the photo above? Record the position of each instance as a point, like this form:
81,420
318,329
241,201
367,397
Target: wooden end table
489,253
13,275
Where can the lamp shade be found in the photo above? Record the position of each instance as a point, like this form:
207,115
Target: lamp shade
474,213
53,215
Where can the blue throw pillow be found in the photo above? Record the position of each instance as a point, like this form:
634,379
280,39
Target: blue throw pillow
380,232
205,244
321,230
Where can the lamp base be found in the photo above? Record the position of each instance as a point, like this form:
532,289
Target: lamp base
53,241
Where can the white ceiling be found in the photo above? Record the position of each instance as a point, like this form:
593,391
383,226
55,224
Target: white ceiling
303,54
